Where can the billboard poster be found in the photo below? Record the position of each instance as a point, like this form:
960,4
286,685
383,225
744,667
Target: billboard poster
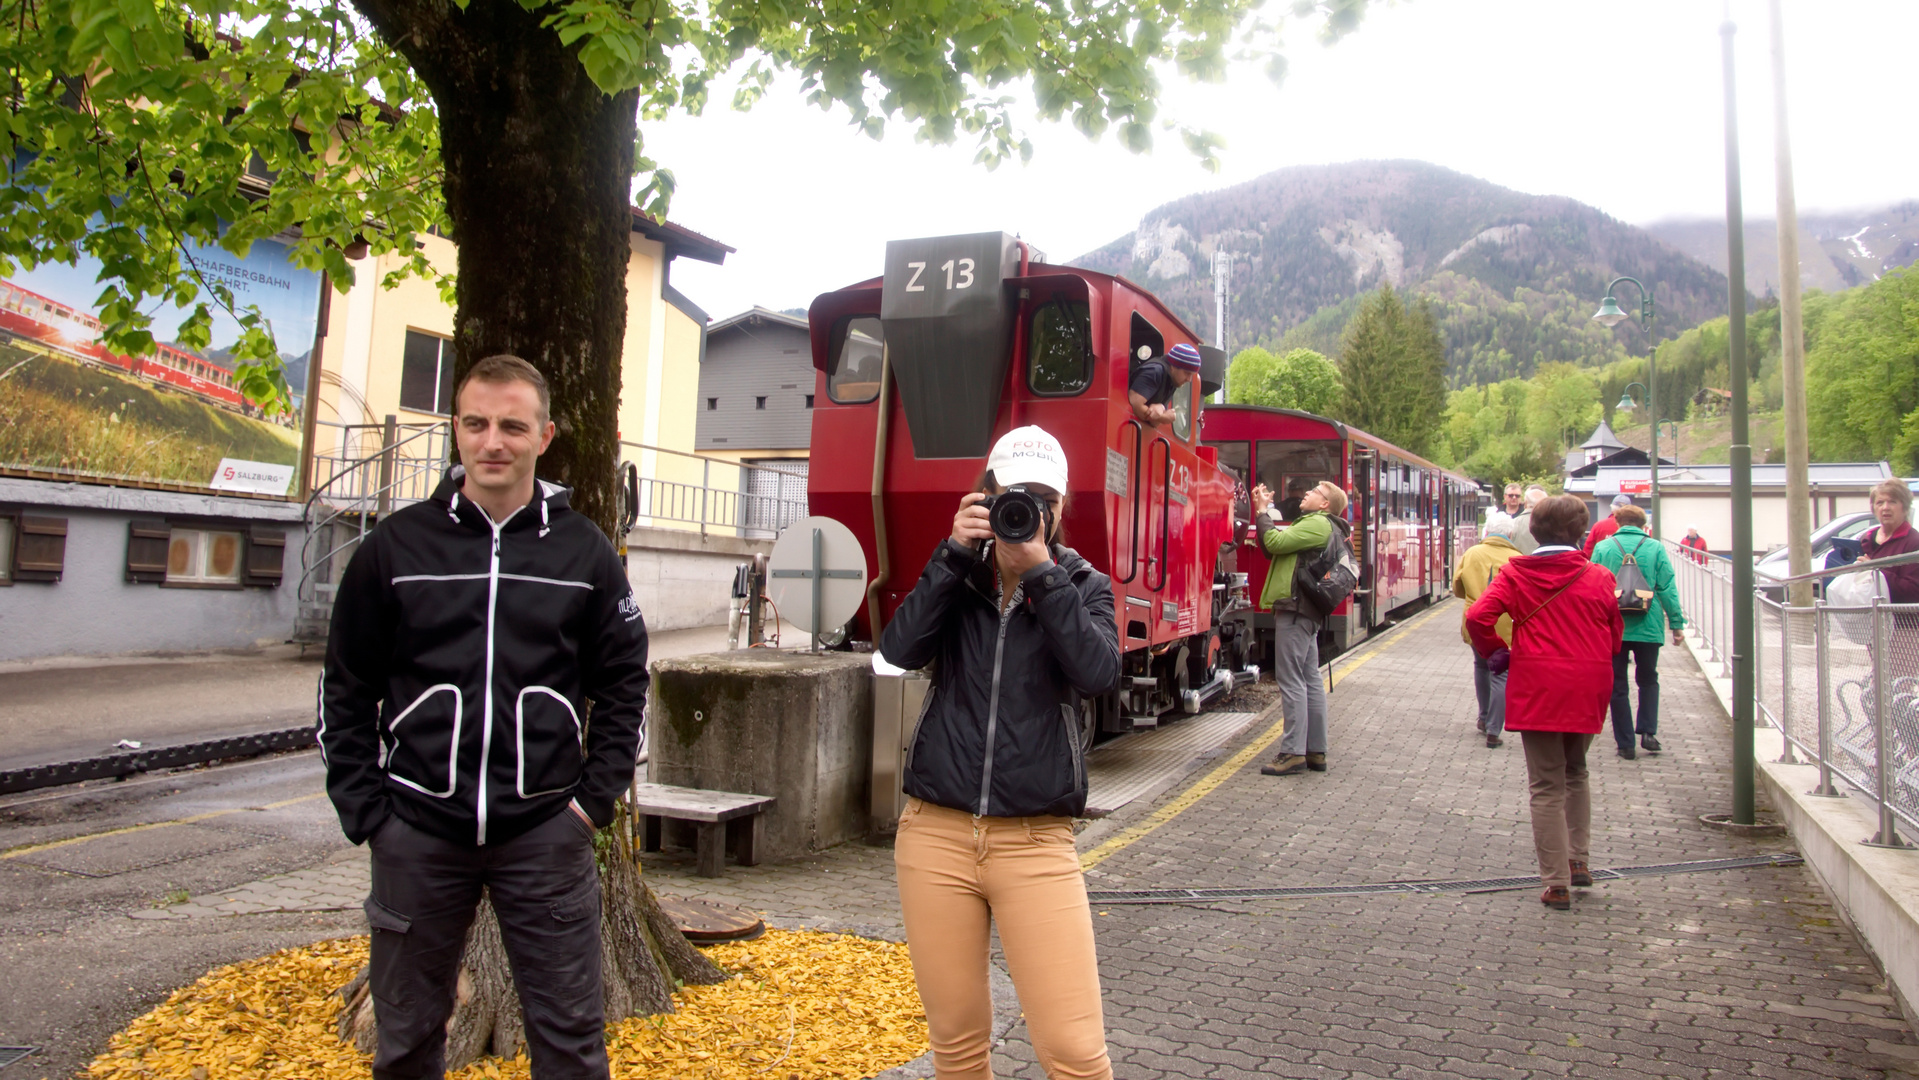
72,408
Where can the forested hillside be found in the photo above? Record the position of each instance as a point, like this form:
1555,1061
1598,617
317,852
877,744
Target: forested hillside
1514,277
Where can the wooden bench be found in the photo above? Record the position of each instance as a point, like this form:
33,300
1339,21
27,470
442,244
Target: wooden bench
724,819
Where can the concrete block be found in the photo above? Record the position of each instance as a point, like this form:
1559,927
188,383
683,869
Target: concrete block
793,725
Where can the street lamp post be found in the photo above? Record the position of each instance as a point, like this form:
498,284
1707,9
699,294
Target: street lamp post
1609,315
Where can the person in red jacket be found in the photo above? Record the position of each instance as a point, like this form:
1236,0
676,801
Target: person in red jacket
1695,545
1566,628
1606,526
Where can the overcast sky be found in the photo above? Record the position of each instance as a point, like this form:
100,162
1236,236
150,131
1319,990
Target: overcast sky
1618,105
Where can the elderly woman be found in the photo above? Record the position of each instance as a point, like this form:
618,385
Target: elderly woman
1477,568
1566,628
1892,505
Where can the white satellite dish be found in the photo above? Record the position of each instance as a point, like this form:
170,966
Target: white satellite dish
817,575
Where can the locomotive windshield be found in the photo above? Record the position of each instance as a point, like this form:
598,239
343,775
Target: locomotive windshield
856,364
1059,350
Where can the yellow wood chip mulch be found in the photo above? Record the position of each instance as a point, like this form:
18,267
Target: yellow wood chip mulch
801,1005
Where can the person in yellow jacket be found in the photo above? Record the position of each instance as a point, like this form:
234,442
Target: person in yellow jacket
1477,568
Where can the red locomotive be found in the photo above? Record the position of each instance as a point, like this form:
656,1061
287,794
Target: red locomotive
965,337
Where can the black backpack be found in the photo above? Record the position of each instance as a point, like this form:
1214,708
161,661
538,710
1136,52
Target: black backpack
1629,585
1321,584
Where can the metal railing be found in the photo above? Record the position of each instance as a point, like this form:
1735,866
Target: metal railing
1839,682
371,470
677,489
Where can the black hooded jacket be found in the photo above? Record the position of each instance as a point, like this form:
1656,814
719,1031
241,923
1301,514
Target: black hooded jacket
999,736
462,658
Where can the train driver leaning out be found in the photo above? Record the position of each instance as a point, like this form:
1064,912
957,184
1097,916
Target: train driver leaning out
1156,381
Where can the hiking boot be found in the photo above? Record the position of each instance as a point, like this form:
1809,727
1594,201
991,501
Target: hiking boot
1649,744
1559,898
1582,874
1285,765
1316,762
1493,742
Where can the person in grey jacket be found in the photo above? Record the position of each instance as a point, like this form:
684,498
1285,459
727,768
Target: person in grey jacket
1523,524
1019,636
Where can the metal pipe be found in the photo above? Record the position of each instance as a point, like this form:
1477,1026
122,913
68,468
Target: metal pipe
1821,627
1785,683
1741,457
1888,834
882,567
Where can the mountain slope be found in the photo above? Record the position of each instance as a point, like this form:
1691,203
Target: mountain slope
1836,250
1310,238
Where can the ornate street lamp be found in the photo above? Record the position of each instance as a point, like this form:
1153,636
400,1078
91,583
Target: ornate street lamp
1610,315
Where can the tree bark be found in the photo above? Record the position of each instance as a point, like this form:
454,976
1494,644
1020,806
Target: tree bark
538,171
538,165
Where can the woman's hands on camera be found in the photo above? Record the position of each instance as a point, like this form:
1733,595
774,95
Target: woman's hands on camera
972,524
1016,559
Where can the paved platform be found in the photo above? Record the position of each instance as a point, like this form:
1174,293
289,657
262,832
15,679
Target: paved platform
1730,973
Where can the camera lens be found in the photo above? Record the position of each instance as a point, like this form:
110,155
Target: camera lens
1016,516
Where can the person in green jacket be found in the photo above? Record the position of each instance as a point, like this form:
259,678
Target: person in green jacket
1302,696
1644,632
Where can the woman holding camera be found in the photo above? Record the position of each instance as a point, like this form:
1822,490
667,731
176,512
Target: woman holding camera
1019,629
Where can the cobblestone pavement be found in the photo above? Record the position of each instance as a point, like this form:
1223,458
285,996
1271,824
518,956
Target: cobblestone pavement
1730,973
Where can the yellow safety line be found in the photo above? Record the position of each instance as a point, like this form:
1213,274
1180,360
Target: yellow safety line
1134,834
32,848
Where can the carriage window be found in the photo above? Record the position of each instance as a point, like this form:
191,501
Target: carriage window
856,366
1059,349
1236,461
1290,467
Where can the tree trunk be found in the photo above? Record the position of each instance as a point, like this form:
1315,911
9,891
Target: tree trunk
538,170
538,166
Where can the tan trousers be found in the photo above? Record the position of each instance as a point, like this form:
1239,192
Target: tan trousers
958,874
1561,801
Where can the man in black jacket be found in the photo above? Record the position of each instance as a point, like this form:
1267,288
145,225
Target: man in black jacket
471,634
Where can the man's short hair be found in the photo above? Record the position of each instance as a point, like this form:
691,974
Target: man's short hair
1513,489
1533,495
1501,525
1630,515
1559,519
507,368
1335,498
1621,499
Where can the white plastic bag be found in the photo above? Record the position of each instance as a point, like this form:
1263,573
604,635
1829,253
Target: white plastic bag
1856,590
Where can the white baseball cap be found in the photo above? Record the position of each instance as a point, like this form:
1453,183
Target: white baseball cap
1028,455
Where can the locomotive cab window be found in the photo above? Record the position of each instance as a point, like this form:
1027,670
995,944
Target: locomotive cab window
1059,348
1182,407
857,346
1146,341
1236,460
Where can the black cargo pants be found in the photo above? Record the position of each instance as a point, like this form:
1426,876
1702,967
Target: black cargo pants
545,889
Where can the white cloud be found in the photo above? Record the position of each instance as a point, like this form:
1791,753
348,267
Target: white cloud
1618,106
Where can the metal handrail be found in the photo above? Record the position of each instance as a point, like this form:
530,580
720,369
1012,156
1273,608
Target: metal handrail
343,495
734,508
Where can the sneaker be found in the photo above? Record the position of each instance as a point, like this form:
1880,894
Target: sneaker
1494,742
1627,752
1582,874
1316,762
1649,744
1558,897
1284,765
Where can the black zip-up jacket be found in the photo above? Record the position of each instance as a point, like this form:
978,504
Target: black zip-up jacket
462,658
998,736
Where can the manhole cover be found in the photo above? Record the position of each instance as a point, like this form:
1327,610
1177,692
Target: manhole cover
705,922
108,855
11,1054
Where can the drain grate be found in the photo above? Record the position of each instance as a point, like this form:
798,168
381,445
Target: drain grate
1405,888
11,1054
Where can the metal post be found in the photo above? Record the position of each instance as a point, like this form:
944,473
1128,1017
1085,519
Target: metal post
1822,657
706,485
1741,457
1888,834
383,498
819,580
1785,684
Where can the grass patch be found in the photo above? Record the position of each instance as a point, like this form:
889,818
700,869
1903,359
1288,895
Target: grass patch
63,415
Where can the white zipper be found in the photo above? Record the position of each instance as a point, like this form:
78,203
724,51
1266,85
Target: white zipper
486,695
992,710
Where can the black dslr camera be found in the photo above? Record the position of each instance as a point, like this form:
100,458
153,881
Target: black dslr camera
1017,515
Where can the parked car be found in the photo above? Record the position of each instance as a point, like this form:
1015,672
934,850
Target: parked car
1769,568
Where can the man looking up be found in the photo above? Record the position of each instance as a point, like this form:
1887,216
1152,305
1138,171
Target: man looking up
472,633
1302,693
1156,381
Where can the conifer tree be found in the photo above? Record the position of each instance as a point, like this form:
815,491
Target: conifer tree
1392,370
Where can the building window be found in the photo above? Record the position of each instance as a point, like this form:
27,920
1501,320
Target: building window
712,404
203,557
759,403
809,401
6,551
426,374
